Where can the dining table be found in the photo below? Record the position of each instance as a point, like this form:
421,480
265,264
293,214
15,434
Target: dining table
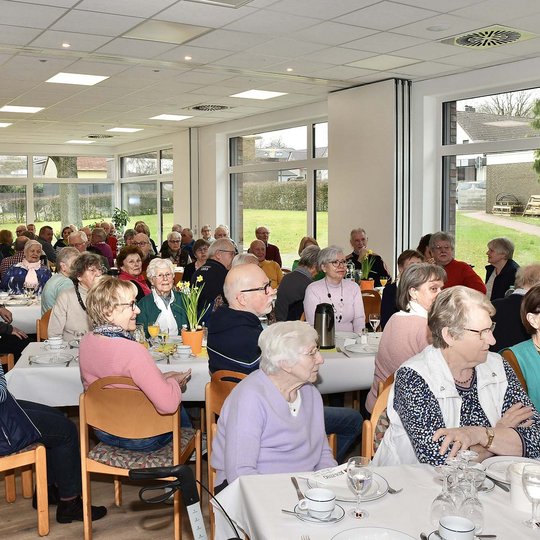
25,312
60,385
255,503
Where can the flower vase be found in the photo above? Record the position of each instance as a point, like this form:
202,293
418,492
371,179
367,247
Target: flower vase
194,339
367,284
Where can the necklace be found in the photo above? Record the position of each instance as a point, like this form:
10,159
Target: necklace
467,381
339,316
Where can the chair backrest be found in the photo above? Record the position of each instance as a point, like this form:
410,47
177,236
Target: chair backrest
510,357
372,302
42,326
384,384
8,360
371,428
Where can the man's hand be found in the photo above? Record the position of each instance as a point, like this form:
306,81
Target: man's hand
6,315
19,333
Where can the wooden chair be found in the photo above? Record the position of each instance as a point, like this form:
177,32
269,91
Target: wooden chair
127,412
33,455
372,302
370,427
510,357
7,360
42,326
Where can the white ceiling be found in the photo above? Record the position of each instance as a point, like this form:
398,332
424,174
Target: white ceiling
329,44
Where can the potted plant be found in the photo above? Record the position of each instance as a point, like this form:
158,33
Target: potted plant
120,218
367,263
192,335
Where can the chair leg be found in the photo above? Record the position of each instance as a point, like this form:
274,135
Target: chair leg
41,491
117,491
11,492
177,510
27,482
87,501
198,460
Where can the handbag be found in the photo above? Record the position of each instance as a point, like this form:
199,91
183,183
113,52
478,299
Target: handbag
17,431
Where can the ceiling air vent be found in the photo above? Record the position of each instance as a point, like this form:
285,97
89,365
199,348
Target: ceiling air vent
209,108
99,136
486,38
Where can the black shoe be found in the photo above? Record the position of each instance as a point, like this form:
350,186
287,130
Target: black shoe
68,511
52,490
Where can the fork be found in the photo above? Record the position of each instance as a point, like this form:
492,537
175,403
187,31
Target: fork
305,537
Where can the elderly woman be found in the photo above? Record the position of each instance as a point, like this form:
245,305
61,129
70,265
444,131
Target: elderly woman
163,306
6,243
110,350
304,243
501,270
59,281
29,272
129,234
344,295
142,227
406,333
200,251
129,261
68,317
273,420
527,352
457,395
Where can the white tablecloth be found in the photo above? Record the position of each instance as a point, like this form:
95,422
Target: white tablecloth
255,503
25,317
61,386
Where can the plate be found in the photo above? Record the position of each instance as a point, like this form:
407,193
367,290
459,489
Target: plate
336,480
51,359
337,515
52,349
346,335
18,302
359,348
157,356
176,340
496,466
371,533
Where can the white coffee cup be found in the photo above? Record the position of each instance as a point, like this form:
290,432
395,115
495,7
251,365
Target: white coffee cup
456,528
54,342
318,502
183,351
518,497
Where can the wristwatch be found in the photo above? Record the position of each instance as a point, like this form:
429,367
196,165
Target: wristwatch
490,435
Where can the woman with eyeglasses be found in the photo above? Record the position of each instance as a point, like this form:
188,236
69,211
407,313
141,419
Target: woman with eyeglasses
130,263
163,306
200,251
343,294
68,317
456,395
110,350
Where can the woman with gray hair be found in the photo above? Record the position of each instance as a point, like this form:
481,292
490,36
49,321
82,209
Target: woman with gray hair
60,280
344,295
406,333
501,270
163,306
29,272
456,395
273,421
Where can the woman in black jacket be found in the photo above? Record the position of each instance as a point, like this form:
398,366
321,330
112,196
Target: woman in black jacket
501,270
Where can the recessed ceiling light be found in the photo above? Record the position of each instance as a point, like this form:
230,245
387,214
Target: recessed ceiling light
125,130
5,124
76,78
166,32
438,27
258,94
77,141
188,58
172,117
66,45
290,69
19,109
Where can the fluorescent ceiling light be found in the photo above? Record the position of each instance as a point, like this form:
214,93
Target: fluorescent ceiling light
5,124
125,130
166,32
258,94
76,141
172,117
19,109
76,78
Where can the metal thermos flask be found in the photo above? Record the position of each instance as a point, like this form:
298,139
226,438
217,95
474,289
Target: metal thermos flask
324,324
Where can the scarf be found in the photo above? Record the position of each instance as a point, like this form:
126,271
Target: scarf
113,331
31,278
166,317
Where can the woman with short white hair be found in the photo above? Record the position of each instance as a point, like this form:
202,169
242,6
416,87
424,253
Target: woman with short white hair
501,270
273,421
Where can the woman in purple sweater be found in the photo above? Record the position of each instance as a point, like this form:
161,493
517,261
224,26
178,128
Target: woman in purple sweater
273,420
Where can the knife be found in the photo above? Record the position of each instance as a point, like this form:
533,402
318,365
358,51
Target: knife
502,485
297,487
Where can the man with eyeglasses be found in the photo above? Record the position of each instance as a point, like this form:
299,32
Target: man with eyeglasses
272,251
359,242
441,245
171,250
270,268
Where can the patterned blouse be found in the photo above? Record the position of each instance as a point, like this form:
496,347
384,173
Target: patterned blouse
421,414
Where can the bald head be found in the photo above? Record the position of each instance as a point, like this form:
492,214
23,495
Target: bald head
258,248
242,278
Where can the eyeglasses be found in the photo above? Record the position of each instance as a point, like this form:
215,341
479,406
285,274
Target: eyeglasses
313,352
442,248
175,241
131,304
164,276
483,334
139,243
264,288
337,264
229,251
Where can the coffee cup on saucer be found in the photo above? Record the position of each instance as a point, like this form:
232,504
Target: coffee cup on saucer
319,503
456,528
183,352
54,342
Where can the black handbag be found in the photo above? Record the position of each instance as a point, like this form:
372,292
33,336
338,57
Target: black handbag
17,431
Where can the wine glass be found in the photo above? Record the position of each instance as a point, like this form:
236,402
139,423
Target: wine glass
359,478
374,320
531,485
29,290
153,330
163,335
443,504
384,280
471,507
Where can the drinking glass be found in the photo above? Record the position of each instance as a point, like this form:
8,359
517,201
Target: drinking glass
531,485
359,478
443,504
471,507
153,330
163,335
138,334
29,290
384,280
374,320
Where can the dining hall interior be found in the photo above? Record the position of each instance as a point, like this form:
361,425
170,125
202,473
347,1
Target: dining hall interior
179,111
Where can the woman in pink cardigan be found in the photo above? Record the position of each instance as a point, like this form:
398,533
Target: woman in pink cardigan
406,333
110,350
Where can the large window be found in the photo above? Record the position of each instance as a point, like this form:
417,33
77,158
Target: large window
490,147
279,179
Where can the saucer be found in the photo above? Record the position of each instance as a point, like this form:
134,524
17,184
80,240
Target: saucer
337,515
53,349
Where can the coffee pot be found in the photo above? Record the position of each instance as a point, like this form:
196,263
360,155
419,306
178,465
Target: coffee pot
324,324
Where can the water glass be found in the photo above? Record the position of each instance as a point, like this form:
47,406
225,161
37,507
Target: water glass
531,485
359,479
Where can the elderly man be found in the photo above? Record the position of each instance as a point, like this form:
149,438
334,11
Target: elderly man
187,242
271,268
79,240
177,228
272,251
213,272
171,250
14,259
142,241
31,227
359,242
221,231
98,242
111,239
233,334
292,289
45,238
441,245
206,233
20,229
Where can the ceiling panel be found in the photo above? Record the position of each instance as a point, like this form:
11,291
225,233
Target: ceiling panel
384,42
17,14
136,8
332,33
102,24
17,35
52,39
213,16
321,9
